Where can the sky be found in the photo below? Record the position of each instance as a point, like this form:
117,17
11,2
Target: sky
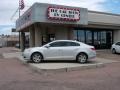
9,7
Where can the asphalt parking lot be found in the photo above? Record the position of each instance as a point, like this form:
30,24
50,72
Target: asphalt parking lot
107,54
16,76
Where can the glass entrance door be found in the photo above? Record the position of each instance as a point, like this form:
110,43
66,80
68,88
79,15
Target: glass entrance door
51,37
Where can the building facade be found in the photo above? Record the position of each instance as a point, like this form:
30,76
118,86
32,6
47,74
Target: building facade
47,22
9,40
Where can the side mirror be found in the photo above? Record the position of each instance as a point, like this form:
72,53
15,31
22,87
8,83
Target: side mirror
47,46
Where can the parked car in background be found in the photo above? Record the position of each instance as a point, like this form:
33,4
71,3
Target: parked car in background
61,50
115,48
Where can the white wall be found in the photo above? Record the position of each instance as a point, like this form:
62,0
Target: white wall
104,18
116,35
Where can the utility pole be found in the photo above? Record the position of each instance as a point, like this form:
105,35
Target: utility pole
21,34
19,17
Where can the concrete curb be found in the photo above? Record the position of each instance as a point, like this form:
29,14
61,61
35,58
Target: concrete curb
68,69
65,70
53,71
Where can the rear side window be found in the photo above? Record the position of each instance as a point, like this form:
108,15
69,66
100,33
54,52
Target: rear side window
73,44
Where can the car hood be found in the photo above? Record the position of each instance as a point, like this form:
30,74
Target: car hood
34,48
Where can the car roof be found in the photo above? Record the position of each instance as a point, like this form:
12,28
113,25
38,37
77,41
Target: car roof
69,41
66,40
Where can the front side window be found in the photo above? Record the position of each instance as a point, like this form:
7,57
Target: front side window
55,44
59,44
118,43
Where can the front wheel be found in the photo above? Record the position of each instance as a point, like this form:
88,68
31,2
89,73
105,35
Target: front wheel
113,51
82,58
36,57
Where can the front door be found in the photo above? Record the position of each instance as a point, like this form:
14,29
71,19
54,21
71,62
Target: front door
53,52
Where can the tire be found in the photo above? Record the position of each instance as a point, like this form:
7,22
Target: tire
113,51
82,58
36,57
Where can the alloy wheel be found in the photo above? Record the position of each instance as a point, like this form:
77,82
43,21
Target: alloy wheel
36,57
82,58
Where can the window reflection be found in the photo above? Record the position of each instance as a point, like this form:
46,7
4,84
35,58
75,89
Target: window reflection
89,37
79,35
103,37
100,39
75,35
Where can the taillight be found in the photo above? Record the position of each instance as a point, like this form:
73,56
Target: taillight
93,48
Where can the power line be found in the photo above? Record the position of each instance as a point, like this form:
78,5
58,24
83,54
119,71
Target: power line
14,14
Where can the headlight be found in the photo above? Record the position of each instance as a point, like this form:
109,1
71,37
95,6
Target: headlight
27,50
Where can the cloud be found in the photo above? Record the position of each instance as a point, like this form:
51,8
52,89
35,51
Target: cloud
90,4
8,8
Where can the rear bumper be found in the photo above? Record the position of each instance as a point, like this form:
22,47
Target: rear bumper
92,55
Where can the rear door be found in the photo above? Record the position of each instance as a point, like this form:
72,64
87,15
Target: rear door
69,50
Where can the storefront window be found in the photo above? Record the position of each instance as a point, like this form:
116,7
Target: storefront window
103,37
79,35
75,35
98,38
89,37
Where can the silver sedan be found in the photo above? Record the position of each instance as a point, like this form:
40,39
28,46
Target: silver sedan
61,50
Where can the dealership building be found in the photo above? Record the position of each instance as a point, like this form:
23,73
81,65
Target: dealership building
48,22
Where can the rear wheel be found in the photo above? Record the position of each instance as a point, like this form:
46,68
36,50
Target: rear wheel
82,58
36,57
113,51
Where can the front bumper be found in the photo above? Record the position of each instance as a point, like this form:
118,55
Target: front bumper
26,56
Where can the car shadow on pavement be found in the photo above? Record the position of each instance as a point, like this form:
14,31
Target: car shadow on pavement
64,61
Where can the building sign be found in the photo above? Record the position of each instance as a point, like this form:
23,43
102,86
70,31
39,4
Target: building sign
67,14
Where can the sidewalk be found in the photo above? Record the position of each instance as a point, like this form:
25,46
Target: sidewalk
60,66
